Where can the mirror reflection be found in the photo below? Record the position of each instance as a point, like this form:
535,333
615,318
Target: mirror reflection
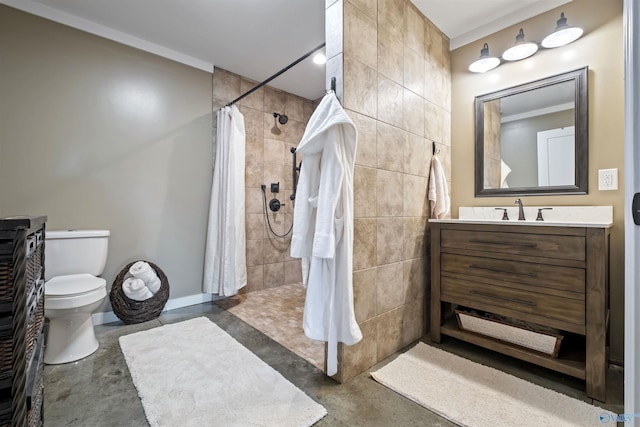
532,139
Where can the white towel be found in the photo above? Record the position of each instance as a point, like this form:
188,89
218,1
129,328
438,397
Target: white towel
142,270
135,289
438,190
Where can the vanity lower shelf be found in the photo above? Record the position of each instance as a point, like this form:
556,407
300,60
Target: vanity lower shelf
570,361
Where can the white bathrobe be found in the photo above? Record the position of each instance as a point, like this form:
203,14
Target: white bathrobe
225,266
323,227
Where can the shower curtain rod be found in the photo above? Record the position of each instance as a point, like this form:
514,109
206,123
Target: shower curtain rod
296,62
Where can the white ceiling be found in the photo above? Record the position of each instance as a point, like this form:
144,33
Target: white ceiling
257,38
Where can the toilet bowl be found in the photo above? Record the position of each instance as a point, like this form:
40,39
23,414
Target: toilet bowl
72,293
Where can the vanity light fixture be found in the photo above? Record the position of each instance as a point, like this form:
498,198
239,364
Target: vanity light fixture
485,62
521,49
562,35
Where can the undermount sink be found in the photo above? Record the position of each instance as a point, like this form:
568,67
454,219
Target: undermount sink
565,216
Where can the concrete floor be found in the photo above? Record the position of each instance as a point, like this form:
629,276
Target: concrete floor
98,391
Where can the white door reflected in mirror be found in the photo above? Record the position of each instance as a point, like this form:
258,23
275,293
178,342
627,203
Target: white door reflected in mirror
556,157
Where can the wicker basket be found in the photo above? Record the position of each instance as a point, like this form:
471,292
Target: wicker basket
132,311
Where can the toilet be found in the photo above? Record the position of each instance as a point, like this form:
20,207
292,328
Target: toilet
72,291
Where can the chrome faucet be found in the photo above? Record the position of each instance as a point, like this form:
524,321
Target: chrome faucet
520,210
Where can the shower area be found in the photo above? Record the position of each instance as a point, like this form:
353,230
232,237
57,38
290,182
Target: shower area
273,299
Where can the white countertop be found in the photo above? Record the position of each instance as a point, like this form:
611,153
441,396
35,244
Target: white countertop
558,216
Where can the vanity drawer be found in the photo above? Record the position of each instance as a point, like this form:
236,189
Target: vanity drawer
548,246
538,276
487,296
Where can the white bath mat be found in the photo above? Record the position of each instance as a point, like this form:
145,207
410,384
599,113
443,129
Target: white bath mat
193,373
471,394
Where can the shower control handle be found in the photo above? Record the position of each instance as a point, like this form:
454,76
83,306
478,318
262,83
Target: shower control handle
275,205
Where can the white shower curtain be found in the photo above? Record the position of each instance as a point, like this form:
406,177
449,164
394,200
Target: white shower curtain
225,269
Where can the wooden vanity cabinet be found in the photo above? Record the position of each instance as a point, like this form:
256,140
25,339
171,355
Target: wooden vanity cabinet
548,275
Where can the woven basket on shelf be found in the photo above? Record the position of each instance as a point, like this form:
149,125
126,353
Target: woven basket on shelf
132,311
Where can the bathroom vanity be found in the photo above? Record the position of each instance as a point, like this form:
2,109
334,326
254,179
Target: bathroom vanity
21,321
554,275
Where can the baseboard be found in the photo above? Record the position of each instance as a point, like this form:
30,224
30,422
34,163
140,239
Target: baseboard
110,316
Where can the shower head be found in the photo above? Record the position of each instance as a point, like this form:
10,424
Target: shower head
282,119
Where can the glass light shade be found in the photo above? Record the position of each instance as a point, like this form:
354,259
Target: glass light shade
485,62
520,49
562,35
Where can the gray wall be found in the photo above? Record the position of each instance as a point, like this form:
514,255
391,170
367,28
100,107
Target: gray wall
95,134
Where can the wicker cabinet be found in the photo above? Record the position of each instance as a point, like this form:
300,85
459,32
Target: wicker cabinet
21,321
555,277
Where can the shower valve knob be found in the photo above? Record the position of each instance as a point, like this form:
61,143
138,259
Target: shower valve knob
275,205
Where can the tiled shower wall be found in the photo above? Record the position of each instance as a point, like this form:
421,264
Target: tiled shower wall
268,160
393,73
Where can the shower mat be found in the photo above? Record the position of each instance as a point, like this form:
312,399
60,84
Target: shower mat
193,373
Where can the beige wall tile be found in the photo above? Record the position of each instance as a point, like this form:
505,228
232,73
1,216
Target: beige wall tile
413,113
360,36
389,332
253,121
254,253
356,358
414,24
416,154
434,123
256,99
253,200
255,278
389,193
433,45
389,287
360,87
274,173
390,56
273,152
389,240
254,161
369,7
293,131
413,322
294,108
416,197
364,243
364,294
226,85
274,100
414,69
390,102
391,16
366,150
273,275
254,227
390,147
415,279
414,237
364,192
273,251
292,272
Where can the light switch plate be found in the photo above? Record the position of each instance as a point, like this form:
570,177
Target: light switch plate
608,179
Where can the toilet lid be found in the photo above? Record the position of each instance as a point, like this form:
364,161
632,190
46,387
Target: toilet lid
74,284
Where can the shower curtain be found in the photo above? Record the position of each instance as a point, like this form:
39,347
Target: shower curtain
225,269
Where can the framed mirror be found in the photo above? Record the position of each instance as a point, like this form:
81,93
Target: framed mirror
533,139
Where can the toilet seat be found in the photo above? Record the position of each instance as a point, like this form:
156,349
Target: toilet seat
73,291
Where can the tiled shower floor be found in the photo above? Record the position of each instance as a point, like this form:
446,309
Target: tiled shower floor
277,313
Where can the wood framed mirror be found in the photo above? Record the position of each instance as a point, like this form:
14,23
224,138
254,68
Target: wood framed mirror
533,139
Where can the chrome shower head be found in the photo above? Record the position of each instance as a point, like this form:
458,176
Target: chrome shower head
282,119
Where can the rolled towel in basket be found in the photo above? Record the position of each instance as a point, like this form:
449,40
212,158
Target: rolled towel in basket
142,270
135,289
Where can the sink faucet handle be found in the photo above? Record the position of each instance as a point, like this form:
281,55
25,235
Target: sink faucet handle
505,217
520,210
539,217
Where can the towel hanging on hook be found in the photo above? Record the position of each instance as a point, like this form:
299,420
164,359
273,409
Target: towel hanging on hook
435,150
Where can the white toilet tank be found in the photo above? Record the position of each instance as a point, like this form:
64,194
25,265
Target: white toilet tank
74,252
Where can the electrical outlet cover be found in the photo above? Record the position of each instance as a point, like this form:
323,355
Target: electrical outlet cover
607,179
